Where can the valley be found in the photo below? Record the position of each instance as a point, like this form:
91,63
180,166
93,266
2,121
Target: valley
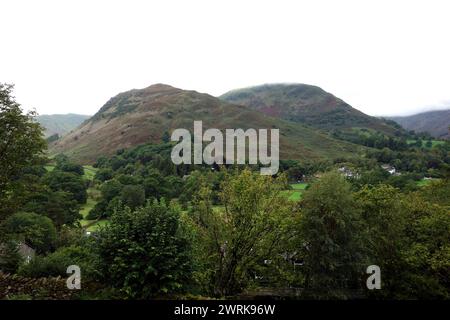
109,198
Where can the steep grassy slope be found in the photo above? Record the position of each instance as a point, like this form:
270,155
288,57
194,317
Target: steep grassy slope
60,123
141,116
436,123
305,104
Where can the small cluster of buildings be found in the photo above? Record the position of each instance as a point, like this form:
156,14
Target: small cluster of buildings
350,173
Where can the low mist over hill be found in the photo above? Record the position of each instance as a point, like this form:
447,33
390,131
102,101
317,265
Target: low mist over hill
60,123
147,115
435,123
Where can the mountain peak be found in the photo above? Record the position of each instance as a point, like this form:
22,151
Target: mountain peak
306,104
145,115
160,87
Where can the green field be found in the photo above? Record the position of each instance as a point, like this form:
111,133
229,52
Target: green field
89,172
425,182
49,168
95,226
295,194
299,186
93,194
87,207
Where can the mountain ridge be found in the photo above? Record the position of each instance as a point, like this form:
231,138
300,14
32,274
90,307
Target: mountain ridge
435,122
60,123
144,115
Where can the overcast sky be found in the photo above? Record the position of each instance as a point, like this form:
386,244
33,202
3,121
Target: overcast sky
383,57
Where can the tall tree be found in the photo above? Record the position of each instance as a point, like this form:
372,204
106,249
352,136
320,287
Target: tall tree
21,141
385,222
254,221
331,239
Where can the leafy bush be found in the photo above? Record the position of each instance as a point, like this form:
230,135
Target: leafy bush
144,253
56,263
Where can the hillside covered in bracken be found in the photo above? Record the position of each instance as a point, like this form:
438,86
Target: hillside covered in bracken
146,115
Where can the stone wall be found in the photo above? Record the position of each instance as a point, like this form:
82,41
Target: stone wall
34,288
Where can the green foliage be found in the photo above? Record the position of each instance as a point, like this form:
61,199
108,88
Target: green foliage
52,138
144,253
250,228
414,160
70,167
133,196
111,189
372,139
104,174
10,258
59,206
385,221
154,184
331,239
21,144
56,263
36,230
98,211
438,192
427,255
69,235
69,182
409,241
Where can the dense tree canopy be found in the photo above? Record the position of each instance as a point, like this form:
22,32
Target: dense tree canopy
331,239
33,229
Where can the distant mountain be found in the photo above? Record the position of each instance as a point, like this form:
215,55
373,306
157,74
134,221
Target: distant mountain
306,104
60,123
147,115
435,123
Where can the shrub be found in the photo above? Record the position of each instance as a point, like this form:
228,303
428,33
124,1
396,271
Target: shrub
144,253
56,264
